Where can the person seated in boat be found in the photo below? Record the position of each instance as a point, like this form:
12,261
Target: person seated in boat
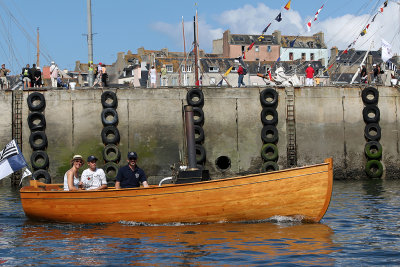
130,175
93,178
71,177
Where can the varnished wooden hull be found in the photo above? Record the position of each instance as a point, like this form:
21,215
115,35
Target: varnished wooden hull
303,193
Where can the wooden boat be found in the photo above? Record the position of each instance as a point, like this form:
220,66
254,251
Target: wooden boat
303,193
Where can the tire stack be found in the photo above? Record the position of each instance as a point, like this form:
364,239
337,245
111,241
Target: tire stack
269,132
195,98
110,135
37,139
372,133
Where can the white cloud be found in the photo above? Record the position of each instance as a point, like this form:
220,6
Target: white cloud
339,31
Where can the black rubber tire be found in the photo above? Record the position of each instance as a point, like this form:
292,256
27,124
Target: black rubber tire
109,112
36,156
269,111
109,95
268,130
373,150
111,170
32,98
198,134
372,127
367,92
374,168
267,94
269,152
40,135
34,116
111,153
195,97
198,112
108,130
42,174
371,109
269,166
200,154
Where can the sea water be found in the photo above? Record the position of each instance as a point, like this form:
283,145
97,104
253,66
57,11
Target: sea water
361,227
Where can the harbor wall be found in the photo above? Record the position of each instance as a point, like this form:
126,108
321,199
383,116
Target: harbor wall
329,123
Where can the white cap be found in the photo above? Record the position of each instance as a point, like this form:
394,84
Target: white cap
52,62
374,65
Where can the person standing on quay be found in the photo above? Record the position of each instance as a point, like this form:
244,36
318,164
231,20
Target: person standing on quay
37,77
26,76
3,76
240,72
53,74
104,75
163,75
309,75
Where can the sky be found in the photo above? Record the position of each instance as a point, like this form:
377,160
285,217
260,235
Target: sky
123,25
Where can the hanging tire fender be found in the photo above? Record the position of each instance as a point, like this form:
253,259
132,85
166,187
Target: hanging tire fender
36,101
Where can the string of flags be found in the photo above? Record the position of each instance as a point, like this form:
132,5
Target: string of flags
315,18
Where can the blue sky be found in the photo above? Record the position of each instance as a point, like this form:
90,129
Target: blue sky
123,25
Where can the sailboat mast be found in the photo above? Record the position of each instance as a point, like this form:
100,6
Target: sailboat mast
37,47
196,67
184,53
90,42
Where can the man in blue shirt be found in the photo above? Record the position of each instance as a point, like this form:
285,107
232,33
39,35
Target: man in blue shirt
130,176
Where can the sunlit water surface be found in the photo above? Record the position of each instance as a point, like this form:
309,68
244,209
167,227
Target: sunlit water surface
361,227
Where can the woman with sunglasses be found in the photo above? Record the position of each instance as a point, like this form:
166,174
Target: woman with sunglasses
71,178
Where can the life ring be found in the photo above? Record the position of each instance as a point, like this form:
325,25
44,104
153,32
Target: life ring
42,174
106,114
269,166
373,150
111,153
200,154
36,121
198,116
39,160
195,97
269,152
370,95
269,116
198,133
269,134
374,110
110,135
36,101
111,171
374,168
369,131
38,140
269,97
109,99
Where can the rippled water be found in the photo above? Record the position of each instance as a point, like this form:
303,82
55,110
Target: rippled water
361,227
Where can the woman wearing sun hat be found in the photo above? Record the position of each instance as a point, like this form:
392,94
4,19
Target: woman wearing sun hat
71,178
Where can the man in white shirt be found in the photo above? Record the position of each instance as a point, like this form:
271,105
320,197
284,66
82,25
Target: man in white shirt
93,178
53,74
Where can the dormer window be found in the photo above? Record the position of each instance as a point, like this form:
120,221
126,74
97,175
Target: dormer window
170,68
213,69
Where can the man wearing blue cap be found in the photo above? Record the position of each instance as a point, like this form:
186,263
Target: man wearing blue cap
93,178
130,176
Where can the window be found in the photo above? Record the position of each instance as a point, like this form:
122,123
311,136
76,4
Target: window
212,80
291,56
303,56
174,81
257,48
213,69
257,59
312,56
187,69
170,68
269,48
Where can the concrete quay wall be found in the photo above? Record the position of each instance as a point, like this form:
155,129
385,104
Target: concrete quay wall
329,123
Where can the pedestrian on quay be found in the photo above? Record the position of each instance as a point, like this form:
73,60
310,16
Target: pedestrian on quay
363,74
153,77
309,75
240,73
130,176
37,77
53,74
98,74
3,76
104,75
163,75
32,75
71,177
93,178
26,76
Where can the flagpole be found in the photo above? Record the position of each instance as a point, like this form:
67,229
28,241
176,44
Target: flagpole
362,62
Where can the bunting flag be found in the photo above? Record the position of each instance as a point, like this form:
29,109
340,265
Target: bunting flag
386,51
309,26
250,46
260,38
316,14
373,19
12,160
279,17
384,5
345,51
291,44
287,6
266,28
329,67
228,71
220,83
364,32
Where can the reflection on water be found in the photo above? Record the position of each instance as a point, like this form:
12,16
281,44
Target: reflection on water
361,227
